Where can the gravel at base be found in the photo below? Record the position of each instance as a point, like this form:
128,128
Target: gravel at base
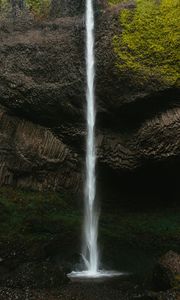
69,292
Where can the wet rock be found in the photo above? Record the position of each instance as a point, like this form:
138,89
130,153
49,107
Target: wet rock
166,273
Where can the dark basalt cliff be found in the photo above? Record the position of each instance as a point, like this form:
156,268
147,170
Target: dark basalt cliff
42,97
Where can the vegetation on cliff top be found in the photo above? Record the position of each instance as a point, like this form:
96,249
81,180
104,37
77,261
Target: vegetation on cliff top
148,46
114,2
39,9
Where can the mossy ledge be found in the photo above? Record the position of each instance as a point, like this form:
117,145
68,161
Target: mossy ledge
30,217
38,9
148,46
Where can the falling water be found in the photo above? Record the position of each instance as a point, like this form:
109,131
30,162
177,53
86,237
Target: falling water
90,248
90,253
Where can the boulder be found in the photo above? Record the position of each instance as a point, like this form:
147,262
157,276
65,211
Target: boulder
167,295
166,274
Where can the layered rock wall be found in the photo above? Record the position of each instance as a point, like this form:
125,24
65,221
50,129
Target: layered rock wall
42,93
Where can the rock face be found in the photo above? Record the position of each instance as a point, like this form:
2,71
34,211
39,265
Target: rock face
31,156
42,93
167,272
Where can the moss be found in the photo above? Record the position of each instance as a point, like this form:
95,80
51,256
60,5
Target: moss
35,218
28,215
177,281
39,8
156,230
4,5
150,40
115,2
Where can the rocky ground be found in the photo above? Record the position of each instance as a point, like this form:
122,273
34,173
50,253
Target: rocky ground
70,292
86,292
39,245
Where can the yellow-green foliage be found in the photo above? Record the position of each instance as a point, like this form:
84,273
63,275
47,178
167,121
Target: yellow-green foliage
177,281
39,8
150,39
4,6
115,2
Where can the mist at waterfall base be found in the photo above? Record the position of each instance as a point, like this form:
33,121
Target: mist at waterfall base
90,254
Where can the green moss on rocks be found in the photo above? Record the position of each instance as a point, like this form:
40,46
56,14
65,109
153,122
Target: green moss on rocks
177,281
115,2
5,6
156,230
39,8
31,212
34,216
36,219
150,40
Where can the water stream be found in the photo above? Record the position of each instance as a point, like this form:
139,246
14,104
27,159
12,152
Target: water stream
90,248
90,252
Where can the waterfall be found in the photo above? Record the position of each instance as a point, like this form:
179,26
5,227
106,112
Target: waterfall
90,248
90,253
